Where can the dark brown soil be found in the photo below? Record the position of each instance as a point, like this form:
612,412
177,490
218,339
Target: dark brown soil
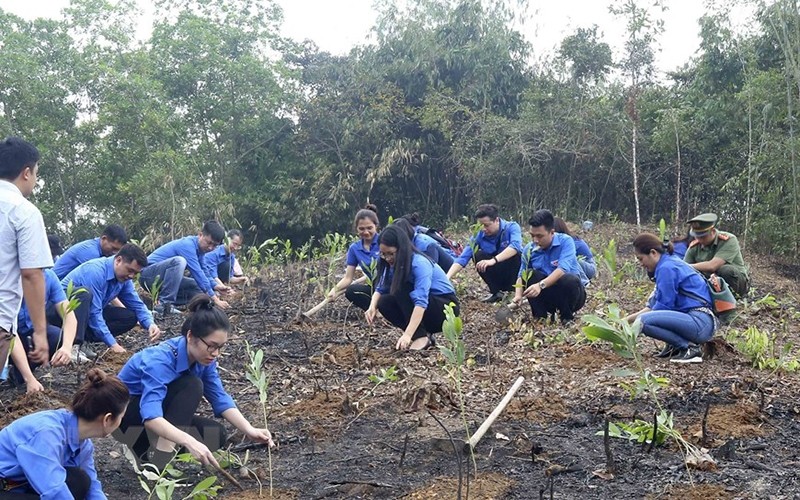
341,436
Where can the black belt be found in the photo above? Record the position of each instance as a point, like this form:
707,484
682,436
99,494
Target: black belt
10,484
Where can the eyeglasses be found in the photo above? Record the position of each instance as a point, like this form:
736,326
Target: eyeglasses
388,255
212,347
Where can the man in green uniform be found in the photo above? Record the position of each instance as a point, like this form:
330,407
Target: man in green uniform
717,252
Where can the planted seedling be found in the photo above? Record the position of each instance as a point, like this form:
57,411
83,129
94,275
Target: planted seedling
260,380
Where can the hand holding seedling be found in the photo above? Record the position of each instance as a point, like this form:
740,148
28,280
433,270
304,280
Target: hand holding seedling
260,435
532,291
155,332
62,356
200,452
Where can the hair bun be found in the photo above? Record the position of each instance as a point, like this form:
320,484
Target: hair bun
370,206
96,376
201,301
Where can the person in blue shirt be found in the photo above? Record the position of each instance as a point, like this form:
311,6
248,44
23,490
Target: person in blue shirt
168,263
363,253
108,244
582,250
50,454
109,278
496,251
426,245
219,264
55,246
550,276
167,382
412,291
681,245
679,310
60,342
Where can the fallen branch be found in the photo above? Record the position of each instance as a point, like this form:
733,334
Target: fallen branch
473,441
230,478
607,447
368,483
704,435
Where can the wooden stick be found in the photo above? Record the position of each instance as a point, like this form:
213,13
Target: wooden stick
230,478
473,441
317,308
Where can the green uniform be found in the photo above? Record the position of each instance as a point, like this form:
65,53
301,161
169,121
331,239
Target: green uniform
726,247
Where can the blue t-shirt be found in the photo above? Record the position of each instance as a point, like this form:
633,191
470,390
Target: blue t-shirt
357,255
559,255
98,277
426,277
38,447
188,248
149,371
53,294
76,255
679,248
214,258
673,276
509,235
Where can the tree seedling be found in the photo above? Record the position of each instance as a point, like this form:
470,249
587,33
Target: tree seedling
260,380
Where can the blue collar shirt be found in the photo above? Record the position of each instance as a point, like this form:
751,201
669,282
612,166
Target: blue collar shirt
38,447
425,277
214,258
98,276
149,371
76,255
674,280
559,255
188,248
509,235
53,295
357,255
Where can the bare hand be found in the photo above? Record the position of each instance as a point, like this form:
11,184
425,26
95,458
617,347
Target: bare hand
483,265
201,452
532,291
403,342
62,357
41,351
33,386
221,303
332,294
260,435
155,332
370,314
117,348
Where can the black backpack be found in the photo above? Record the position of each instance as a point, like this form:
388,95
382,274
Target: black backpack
449,244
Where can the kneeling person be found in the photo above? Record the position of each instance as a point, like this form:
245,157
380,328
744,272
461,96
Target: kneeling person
717,252
554,271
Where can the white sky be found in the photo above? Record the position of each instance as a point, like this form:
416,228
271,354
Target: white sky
338,25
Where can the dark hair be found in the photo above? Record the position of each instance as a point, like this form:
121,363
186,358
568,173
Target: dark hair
686,238
406,226
235,233
15,156
130,253
115,232
487,210
204,317
542,217
395,237
55,245
214,230
369,212
560,225
100,393
646,242
413,218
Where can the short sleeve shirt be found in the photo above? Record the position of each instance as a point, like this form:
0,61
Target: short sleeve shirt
725,246
23,245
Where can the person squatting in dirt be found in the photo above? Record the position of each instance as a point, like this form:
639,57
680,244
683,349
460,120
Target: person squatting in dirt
496,251
169,261
717,252
49,454
582,251
109,280
412,291
426,245
679,312
220,263
363,253
166,383
108,244
553,274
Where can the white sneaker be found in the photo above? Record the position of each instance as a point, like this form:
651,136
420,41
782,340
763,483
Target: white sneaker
77,356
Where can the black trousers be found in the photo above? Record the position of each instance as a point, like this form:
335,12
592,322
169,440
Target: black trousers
397,310
501,276
224,271
78,482
81,314
566,297
179,407
118,319
360,295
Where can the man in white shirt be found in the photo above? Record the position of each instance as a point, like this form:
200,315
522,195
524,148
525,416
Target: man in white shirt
24,249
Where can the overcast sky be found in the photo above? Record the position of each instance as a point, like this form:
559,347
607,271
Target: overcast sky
338,25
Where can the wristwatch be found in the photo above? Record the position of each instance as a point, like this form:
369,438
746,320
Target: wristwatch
542,285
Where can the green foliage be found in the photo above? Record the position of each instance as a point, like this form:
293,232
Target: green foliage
258,376
609,260
384,376
758,346
155,290
163,483
613,329
642,431
452,347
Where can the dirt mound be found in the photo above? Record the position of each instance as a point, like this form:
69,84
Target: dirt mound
694,492
113,362
31,403
740,420
484,487
276,494
539,409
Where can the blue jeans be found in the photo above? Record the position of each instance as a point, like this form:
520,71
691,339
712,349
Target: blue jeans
589,268
677,328
175,287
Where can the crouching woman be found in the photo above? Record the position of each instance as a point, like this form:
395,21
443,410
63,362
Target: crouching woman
412,291
49,454
167,382
679,310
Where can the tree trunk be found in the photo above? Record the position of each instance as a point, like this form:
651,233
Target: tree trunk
678,180
635,175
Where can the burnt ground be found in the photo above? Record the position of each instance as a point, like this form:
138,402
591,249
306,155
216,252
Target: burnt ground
341,437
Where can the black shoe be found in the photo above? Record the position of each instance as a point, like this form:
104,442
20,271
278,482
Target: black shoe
691,354
494,297
668,351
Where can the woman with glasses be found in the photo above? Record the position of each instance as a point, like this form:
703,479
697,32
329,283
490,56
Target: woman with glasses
364,254
166,383
412,291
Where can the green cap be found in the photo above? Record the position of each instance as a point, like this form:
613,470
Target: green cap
702,224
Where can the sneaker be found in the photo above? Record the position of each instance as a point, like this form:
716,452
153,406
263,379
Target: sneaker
691,354
165,311
494,297
668,351
77,356
87,351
